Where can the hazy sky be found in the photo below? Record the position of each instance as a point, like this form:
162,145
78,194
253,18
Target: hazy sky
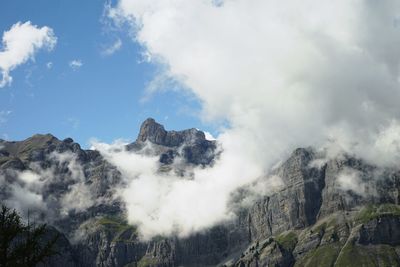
90,84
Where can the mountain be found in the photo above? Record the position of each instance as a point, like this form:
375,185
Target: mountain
315,219
194,146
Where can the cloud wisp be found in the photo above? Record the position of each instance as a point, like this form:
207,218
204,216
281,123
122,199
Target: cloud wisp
20,43
75,64
114,47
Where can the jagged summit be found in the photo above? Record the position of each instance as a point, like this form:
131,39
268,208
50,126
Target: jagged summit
190,144
154,132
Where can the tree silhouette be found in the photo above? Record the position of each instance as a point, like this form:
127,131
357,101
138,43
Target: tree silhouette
23,244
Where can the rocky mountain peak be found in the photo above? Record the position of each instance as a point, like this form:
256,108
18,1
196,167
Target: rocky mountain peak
155,133
151,131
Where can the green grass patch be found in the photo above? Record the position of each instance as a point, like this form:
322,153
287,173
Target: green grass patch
319,228
4,160
323,256
287,240
380,255
371,212
146,262
122,231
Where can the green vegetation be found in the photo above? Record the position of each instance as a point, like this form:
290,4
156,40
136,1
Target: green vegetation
380,255
122,231
350,255
36,142
146,262
322,256
112,222
23,244
335,253
371,212
265,243
287,240
4,160
319,228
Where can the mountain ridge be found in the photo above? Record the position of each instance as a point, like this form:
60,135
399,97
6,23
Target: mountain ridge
310,221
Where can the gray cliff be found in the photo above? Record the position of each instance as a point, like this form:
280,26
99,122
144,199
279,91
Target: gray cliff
310,221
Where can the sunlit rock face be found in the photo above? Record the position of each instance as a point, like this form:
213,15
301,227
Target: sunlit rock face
335,211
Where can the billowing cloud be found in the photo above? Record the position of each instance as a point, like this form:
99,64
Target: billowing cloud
163,203
349,179
75,64
283,74
20,43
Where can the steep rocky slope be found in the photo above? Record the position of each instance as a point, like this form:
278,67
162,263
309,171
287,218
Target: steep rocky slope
317,218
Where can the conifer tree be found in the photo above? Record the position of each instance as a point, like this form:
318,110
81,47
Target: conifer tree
23,244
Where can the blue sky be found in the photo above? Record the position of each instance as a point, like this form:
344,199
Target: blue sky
102,98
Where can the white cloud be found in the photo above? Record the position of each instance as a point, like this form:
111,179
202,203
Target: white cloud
75,64
29,177
113,48
20,43
49,65
24,200
163,203
318,163
350,179
23,196
283,74
78,197
28,189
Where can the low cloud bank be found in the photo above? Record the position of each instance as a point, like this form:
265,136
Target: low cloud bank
163,203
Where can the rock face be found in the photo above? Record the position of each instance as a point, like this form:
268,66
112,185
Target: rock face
189,144
313,220
155,133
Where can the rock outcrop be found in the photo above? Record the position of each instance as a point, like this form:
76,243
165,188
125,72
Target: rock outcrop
191,144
